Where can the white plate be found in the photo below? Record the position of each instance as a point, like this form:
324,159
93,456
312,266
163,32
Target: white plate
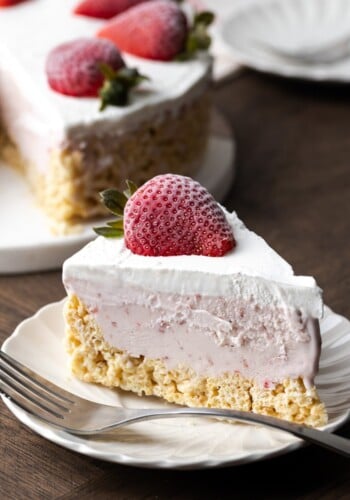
185,443
26,243
288,25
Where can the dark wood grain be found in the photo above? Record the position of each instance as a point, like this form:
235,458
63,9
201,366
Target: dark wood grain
293,187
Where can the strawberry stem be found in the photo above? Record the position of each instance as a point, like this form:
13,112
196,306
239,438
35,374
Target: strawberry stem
109,232
116,224
115,202
198,38
117,85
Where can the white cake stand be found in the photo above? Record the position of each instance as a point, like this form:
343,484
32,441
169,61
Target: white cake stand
26,242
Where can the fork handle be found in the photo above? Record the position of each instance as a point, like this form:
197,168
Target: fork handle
325,439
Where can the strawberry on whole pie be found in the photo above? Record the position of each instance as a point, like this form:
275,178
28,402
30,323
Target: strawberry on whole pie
10,3
158,30
91,67
104,9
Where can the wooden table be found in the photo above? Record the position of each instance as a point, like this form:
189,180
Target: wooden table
293,187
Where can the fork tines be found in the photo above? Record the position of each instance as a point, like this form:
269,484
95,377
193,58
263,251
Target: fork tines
30,391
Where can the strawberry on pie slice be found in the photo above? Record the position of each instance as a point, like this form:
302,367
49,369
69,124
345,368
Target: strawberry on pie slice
178,299
170,215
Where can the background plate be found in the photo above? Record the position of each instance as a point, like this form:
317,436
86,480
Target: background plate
288,25
185,443
26,243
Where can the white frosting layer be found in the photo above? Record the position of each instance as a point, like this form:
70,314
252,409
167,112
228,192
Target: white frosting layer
252,269
39,119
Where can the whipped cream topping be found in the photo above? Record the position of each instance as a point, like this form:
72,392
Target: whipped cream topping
252,269
38,119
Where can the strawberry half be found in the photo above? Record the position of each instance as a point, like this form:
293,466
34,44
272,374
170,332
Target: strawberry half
104,9
153,30
10,3
169,215
91,67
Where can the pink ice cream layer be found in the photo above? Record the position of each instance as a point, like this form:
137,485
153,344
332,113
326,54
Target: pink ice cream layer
212,335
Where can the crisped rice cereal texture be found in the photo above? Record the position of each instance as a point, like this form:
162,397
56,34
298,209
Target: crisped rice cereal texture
68,191
93,360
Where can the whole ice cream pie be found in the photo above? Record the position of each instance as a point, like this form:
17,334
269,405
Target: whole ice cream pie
52,126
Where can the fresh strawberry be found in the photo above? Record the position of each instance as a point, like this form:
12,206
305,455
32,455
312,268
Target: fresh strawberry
9,3
169,215
89,67
104,9
155,30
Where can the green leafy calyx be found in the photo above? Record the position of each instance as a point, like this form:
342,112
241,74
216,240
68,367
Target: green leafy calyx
115,202
117,85
198,38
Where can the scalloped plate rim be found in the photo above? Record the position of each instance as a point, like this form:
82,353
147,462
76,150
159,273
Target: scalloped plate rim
82,445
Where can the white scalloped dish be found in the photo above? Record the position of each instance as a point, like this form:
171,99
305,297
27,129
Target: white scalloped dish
185,443
289,26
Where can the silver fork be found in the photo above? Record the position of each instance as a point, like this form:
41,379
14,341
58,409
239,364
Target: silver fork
75,415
